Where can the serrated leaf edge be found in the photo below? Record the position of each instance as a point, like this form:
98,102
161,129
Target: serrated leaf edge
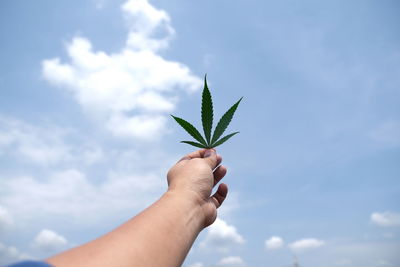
205,142
194,144
231,111
207,112
196,134
223,139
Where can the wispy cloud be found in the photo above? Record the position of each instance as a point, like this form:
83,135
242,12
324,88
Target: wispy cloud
9,254
71,194
386,219
43,145
303,245
232,261
6,220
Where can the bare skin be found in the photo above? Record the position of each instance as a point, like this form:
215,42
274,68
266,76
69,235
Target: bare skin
162,234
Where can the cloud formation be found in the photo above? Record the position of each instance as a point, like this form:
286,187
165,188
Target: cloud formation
49,241
274,243
386,219
37,145
131,91
6,219
78,196
45,145
221,237
303,245
9,254
232,261
145,21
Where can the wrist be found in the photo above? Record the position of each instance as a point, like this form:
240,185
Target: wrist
191,204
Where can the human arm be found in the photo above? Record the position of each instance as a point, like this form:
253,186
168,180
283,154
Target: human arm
162,234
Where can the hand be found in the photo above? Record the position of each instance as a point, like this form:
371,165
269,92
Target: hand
193,177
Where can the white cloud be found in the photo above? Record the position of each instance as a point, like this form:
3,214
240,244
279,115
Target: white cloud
6,219
196,264
43,145
386,219
274,243
34,144
72,195
221,237
305,244
232,261
131,91
92,154
145,22
49,241
62,192
348,253
10,254
141,126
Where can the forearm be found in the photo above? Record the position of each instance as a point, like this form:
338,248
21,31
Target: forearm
161,235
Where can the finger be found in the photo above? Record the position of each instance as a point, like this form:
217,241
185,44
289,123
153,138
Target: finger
195,154
219,196
219,159
210,156
184,158
219,173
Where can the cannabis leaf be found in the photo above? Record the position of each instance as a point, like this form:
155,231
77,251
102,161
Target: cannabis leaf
207,111
207,116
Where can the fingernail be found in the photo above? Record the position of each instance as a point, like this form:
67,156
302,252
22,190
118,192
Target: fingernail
209,152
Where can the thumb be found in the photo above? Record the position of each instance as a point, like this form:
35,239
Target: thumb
210,156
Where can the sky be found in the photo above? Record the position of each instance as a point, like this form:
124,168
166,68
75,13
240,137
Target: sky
86,140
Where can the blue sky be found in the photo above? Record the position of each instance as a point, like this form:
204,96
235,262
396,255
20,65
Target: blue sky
86,138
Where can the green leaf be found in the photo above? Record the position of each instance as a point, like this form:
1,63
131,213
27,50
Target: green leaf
190,129
194,144
207,111
224,122
223,139
207,115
